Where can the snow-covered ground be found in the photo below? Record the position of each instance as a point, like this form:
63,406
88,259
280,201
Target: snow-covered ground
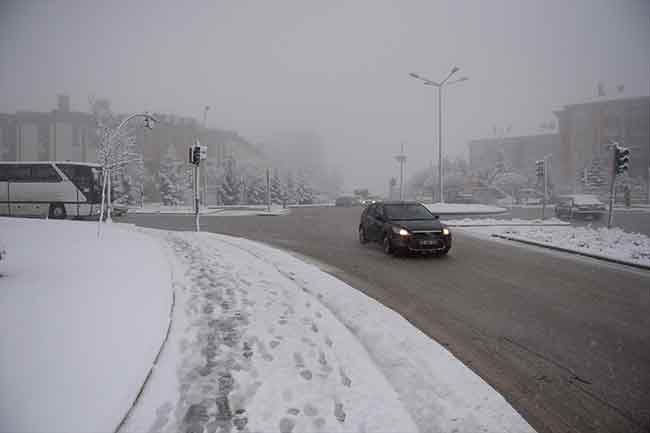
157,208
82,320
611,243
260,341
464,209
468,222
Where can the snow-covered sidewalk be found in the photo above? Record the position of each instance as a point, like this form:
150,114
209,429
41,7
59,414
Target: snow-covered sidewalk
82,320
613,243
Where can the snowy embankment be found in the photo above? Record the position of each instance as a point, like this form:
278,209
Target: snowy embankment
608,243
485,222
82,320
267,342
236,210
464,209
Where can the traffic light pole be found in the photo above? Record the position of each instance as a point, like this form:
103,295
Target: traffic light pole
545,192
612,190
196,198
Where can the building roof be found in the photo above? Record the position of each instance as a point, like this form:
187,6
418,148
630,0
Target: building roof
605,100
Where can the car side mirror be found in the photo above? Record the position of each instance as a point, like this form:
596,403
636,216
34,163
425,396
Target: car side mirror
436,217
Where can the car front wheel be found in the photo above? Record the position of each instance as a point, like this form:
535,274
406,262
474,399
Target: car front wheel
388,245
362,235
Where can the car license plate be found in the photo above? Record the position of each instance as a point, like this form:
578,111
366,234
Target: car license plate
428,243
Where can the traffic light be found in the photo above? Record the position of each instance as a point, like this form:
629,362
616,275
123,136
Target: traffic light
195,154
539,167
622,159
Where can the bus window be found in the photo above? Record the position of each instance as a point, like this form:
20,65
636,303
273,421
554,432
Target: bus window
19,173
45,173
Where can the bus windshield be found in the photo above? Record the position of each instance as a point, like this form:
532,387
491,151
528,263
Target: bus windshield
86,178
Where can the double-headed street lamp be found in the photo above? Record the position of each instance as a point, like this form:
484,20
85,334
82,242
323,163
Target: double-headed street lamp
440,85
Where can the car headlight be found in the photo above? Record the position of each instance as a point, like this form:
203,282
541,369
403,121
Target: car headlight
400,231
445,231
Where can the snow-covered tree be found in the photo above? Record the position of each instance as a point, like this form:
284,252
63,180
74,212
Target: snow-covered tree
277,193
304,193
256,190
172,179
230,185
290,189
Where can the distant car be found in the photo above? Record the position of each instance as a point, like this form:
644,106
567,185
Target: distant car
404,226
584,206
529,196
347,201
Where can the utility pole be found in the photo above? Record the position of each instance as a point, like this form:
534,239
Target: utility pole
620,164
205,171
401,158
268,190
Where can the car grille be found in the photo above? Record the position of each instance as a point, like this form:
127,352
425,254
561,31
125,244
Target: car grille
426,240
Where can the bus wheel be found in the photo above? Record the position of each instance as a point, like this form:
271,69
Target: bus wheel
57,211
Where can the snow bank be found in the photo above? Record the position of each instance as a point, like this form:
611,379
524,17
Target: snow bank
464,209
612,243
82,320
503,222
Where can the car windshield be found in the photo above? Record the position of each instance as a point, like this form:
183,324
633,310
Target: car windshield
586,199
407,212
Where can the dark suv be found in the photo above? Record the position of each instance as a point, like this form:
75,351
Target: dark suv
404,226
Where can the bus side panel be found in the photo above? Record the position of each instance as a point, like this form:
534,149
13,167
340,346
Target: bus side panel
36,197
4,198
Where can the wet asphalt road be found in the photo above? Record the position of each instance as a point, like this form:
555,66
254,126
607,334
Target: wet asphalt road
566,340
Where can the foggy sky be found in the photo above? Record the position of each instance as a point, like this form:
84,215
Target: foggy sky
335,67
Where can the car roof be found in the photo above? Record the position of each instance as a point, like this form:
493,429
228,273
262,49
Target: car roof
398,202
582,197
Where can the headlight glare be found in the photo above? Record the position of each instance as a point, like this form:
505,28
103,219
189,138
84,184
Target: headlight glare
445,231
401,231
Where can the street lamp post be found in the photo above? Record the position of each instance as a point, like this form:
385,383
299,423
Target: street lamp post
107,165
440,85
401,158
205,171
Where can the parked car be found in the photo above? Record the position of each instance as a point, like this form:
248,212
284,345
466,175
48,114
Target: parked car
584,206
347,201
404,226
530,196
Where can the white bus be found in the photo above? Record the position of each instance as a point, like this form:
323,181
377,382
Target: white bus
53,189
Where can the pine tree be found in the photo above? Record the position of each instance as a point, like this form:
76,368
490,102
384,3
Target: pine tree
256,191
304,194
290,189
277,194
230,185
172,182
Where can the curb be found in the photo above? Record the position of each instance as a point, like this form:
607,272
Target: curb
154,364
508,225
566,250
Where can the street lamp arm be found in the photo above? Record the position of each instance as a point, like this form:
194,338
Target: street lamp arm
452,72
460,80
147,116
